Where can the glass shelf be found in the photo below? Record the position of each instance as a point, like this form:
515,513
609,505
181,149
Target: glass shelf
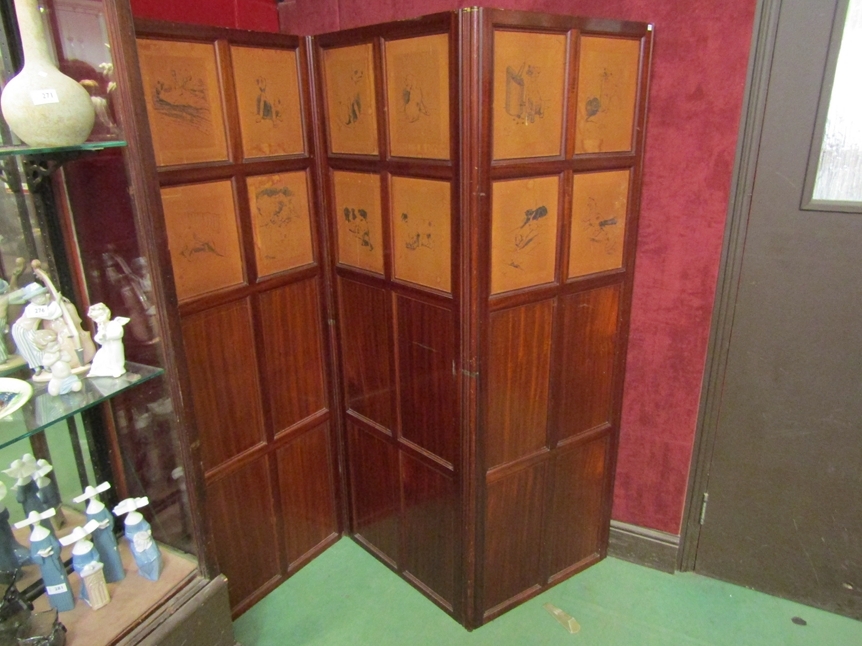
43,409
23,149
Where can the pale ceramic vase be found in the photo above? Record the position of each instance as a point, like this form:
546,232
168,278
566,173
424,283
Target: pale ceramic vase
43,106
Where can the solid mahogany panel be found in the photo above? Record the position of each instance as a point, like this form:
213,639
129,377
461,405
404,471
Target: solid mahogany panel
223,374
426,364
513,521
305,472
590,323
366,345
429,526
518,374
241,514
374,490
293,365
574,521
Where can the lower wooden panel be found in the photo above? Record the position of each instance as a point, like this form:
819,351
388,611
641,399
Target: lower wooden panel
513,528
374,491
225,388
573,524
305,474
241,514
589,340
429,527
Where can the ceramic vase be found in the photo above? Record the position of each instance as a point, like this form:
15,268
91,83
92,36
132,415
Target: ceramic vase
43,106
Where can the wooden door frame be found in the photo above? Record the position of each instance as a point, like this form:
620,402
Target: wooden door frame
748,148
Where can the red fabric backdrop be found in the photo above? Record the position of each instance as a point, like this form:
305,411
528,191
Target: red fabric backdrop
700,57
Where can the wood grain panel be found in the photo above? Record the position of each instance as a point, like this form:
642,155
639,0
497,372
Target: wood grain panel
374,490
513,519
293,363
574,521
223,374
366,344
241,514
518,377
589,339
305,474
429,527
426,366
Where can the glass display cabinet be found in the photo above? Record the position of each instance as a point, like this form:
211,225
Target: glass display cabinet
77,225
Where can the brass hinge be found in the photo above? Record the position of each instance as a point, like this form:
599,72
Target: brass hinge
703,507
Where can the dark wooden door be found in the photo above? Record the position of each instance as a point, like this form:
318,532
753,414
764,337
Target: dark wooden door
783,512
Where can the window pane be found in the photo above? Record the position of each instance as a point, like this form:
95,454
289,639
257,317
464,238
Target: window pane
839,173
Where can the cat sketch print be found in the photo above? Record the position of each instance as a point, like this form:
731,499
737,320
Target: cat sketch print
419,233
527,236
266,109
357,226
523,99
603,102
198,248
599,228
414,107
182,96
275,206
352,103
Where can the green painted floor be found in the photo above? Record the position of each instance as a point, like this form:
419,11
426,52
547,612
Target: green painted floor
345,596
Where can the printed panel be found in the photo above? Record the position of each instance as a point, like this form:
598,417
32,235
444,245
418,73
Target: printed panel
374,491
366,351
181,90
426,354
599,206
267,93
225,389
282,225
518,382
293,353
523,233
350,99
241,514
422,232
574,522
360,222
417,78
202,237
529,94
513,528
607,90
307,493
590,321
430,527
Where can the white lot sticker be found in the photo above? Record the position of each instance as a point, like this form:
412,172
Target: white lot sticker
41,97
56,589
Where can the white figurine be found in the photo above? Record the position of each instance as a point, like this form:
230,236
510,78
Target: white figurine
86,562
45,552
58,362
139,534
103,535
110,359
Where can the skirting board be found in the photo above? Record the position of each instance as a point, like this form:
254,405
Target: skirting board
643,546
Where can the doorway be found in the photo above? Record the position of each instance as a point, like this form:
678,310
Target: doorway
776,486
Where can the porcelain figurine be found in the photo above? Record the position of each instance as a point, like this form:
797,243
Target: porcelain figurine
48,309
48,492
110,359
26,490
139,534
45,552
58,362
103,535
12,553
86,562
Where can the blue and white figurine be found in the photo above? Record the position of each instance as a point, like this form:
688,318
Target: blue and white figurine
140,536
26,490
12,553
45,552
48,492
103,536
85,561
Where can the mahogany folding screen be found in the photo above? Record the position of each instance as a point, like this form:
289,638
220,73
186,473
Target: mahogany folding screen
481,175
406,249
